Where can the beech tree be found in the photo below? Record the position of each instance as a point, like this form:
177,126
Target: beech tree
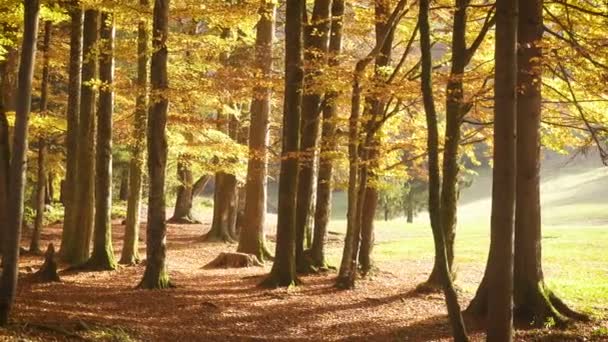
78,245
252,237
102,257
130,249
156,275
283,272
18,163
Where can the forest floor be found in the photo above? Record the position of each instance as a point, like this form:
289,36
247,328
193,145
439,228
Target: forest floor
227,304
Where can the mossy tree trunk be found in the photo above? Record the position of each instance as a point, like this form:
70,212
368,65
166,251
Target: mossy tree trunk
327,146
252,239
500,264
78,251
283,272
316,44
458,328
41,181
102,257
156,275
73,107
130,249
18,165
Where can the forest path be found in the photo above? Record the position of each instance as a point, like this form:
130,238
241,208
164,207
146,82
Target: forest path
226,304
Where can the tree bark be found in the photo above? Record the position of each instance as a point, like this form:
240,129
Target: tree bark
283,272
500,266
130,249
458,328
328,145
183,202
18,165
41,182
85,182
73,110
156,275
102,257
252,239
316,40
123,191
50,188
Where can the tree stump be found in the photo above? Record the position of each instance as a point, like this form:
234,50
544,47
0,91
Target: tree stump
234,260
48,271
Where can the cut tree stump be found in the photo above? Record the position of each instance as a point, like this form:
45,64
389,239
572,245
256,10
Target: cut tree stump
234,260
48,271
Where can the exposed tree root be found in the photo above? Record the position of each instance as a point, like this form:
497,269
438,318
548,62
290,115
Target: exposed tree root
133,261
213,237
541,308
188,219
274,281
309,266
234,260
48,271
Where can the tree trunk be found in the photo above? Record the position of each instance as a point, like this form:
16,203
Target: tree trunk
224,196
458,328
156,275
183,203
370,201
17,179
39,198
500,266
50,188
130,249
199,186
252,239
41,183
534,302
102,257
7,85
74,91
328,145
85,182
410,206
123,191
283,271
316,40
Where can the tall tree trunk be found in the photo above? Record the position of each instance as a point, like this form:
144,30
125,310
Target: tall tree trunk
454,114
183,202
85,182
73,110
130,249
410,206
41,182
328,145
370,201
500,266
224,196
18,165
156,275
456,321
102,257
50,188
283,271
316,40
252,239
123,190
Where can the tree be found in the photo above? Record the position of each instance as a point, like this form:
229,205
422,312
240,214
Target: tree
71,141
102,257
78,248
283,272
458,328
183,203
156,275
534,303
328,145
17,180
500,262
252,237
41,181
456,109
130,249
316,40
